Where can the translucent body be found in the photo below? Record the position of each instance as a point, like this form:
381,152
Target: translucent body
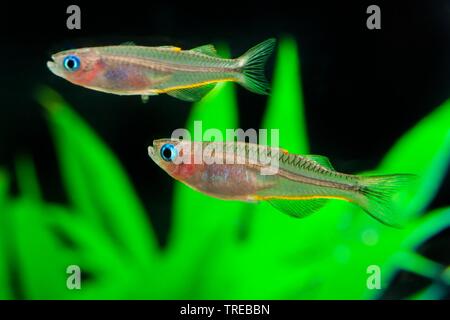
295,176
297,185
144,70
184,74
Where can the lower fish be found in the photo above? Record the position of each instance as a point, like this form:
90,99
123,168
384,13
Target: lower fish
297,185
188,75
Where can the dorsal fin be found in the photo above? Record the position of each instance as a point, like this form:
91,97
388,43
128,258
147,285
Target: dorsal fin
128,43
191,94
322,160
207,49
173,48
293,162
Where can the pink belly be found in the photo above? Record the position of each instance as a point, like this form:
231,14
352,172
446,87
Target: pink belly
123,79
226,181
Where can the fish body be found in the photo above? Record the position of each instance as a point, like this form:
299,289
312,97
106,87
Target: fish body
300,185
138,70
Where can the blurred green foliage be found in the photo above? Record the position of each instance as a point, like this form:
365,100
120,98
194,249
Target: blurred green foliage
217,249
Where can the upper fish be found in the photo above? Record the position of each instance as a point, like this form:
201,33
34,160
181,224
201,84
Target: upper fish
188,75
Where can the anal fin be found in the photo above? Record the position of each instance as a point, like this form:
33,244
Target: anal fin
191,94
298,208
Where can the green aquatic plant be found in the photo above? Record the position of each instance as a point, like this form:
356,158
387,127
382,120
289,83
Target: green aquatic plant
216,249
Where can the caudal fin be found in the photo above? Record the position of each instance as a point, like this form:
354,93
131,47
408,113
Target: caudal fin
252,63
378,195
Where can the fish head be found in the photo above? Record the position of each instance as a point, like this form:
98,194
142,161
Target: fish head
175,156
79,66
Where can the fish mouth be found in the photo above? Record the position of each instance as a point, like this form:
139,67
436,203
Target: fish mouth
51,65
151,151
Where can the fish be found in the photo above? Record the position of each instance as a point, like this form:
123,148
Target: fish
300,185
188,75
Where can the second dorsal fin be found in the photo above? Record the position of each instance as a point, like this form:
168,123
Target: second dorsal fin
128,43
207,49
322,160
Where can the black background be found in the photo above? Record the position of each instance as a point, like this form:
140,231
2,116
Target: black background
171,309
362,88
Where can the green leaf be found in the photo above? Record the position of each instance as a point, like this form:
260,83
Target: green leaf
423,230
407,259
40,261
96,182
425,151
285,111
271,230
5,292
273,261
97,255
27,179
197,218
4,187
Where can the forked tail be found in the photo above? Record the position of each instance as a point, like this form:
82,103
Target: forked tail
252,67
377,196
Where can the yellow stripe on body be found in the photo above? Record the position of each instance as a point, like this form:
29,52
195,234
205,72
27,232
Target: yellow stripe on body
194,85
300,198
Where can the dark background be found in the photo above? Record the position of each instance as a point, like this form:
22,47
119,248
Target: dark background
362,88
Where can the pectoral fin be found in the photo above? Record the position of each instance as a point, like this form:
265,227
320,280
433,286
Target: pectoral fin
298,208
191,94
145,97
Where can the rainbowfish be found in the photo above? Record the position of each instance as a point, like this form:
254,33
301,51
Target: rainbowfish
184,74
300,185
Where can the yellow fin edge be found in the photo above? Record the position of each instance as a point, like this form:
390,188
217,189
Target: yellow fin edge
195,85
300,198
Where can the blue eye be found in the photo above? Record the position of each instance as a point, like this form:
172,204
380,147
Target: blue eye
71,63
168,152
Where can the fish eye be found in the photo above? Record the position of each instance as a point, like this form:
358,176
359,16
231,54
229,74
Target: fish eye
71,63
168,152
